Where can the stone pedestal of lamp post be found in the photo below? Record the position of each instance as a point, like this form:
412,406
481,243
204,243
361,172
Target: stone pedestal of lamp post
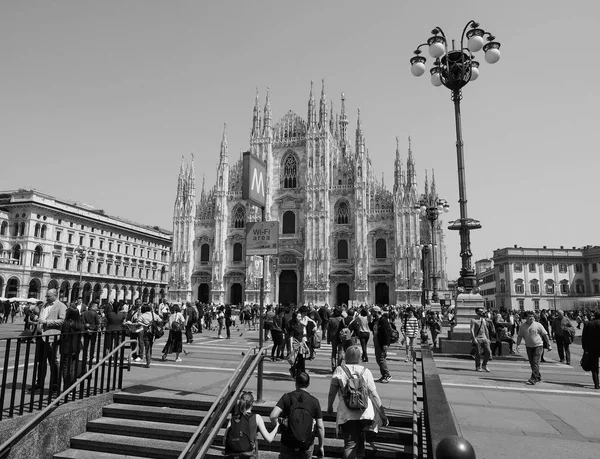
459,339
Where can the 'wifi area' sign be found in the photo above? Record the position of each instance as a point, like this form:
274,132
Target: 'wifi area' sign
254,186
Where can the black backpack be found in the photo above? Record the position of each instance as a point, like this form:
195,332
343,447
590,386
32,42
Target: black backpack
394,334
300,424
355,393
240,434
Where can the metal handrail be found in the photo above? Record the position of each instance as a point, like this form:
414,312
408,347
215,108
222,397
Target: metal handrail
6,447
202,439
415,410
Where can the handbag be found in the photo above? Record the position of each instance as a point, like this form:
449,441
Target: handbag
586,362
157,330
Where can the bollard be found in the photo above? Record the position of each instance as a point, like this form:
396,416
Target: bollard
424,336
454,447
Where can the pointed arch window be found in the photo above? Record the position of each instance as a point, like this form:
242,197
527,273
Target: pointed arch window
43,232
55,263
380,248
342,213
68,264
16,229
36,231
205,253
3,228
237,252
239,217
22,229
342,249
290,172
289,223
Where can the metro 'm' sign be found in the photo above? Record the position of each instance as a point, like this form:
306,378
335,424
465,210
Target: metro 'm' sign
254,187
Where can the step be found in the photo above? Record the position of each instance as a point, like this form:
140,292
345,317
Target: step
133,446
129,423
161,414
397,418
142,429
85,454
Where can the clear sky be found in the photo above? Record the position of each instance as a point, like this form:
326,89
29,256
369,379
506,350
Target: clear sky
99,101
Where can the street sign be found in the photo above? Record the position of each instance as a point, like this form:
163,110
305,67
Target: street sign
254,180
262,238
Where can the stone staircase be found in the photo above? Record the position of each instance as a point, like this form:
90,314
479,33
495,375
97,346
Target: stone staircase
159,425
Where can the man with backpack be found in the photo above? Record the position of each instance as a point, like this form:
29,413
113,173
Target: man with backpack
359,403
300,412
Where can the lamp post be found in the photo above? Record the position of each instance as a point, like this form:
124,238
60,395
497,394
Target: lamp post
82,254
431,206
424,253
453,69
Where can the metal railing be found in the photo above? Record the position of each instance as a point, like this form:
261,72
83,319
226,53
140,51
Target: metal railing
442,433
108,369
28,360
208,429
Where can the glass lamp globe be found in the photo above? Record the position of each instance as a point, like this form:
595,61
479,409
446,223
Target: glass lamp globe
417,69
436,79
446,208
437,49
492,55
423,208
475,43
474,72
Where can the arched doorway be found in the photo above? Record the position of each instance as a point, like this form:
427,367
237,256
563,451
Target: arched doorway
203,293
97,293
34,288
382,293
2,283
87,293
12,288
161,294
63,293
75,292
145,295
288,288
236,294
152,295
53,284
342,293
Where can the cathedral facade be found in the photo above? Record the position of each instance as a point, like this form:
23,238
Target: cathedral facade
343,236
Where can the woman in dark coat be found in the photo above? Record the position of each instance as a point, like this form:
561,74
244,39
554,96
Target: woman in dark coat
590,341
175,324
70,346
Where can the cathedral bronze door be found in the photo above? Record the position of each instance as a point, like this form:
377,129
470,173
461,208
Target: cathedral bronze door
382,293
342,293
236,294
288,288
203,293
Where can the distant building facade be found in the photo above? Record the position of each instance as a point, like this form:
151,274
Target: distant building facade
546,278
48,243
344,237
486,281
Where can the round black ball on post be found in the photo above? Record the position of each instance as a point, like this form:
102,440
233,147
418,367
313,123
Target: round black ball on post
454,447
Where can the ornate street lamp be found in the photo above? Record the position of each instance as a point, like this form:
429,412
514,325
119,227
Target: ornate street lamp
454,68
424,285
82,254
431,207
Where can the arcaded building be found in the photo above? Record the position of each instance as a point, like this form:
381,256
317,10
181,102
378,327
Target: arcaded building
46,242
344,237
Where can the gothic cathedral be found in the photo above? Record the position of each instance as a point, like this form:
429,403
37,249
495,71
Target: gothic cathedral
343,236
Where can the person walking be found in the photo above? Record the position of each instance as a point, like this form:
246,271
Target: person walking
92,324
535,336
410,330
480,338
241,431
363,332
175,325
382,333
563,333
70,347
147,319
351,423
333,337
191,316
590,341
277,335
221,320
298,345
301,401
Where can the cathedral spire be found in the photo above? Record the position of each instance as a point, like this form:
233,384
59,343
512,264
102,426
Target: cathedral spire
323,108
224,146
180,180
331,122
410,167
312,113
343,122
426,185
433,190
360,139
191,178
398,179
268,115
256,117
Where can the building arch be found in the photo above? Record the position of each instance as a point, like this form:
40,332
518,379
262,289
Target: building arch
53,284
22,229
16,254
381,248
239,216
204,253
3,228
44,231
12,287
35,288
63,292
342,212
237,251
36,230
289,170
37,255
